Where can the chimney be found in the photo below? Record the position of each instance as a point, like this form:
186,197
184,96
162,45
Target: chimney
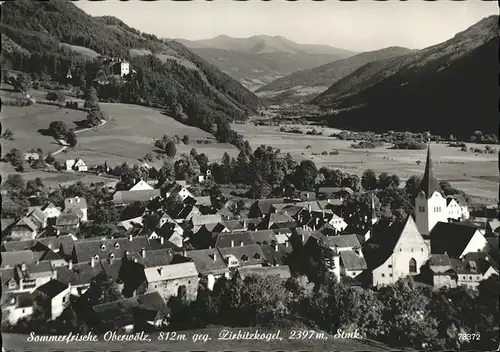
70,265
130,237
309,208
242,244
162,240
143,253
276,247
301,238
286,243
24,267
184,253
135,260
232,243
317,221
215,257
245,224
92,262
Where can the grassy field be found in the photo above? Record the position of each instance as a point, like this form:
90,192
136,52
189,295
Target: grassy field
18,342
475,174
126,137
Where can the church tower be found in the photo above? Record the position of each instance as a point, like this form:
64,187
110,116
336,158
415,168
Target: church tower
374,213
430,204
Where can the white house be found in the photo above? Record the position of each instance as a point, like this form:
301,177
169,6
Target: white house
16,306
120,68
56,297
76,165
457,208
141,186
430,204
457,240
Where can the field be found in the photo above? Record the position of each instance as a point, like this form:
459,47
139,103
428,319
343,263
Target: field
476,174
18,342
126,137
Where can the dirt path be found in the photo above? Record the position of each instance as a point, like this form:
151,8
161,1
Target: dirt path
76,132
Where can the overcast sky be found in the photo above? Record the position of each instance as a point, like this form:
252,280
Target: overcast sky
359,26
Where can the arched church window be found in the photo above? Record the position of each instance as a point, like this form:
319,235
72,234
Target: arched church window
413,266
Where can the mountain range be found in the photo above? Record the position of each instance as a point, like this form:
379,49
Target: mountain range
50,36
451,87
302,86
260,59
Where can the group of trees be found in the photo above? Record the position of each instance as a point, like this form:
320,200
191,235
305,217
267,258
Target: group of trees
404,314
95,115
59,130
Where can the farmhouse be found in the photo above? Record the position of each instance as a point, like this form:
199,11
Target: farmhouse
76,165
29,157
210,264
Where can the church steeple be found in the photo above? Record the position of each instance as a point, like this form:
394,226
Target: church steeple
374,212
429,183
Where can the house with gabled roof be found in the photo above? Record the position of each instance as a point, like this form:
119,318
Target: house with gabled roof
140,185
11,259
339,193
395,253
16,306
277,272
140,312
277,221
53,296
29,276
457,208
76,165
264,206
77,203
171,280
352,263
243,256
25,229
457,239
276,254
123,198
86,249
210,264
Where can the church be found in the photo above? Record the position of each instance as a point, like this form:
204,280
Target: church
402,249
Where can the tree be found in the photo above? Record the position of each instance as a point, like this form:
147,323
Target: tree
305,176
386,181
91,99
58,129
412,186
15,182
55,96
369,180
241,172
170,149
15,157
352,181
94,117
71,138
185,139
8,135
406,316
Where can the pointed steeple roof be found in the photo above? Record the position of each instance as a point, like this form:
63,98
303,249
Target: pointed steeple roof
429,183
374,212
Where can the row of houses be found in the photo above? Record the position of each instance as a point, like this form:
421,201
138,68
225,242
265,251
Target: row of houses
194,244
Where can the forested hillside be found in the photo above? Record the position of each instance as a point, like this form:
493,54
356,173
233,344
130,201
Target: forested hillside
47,40
451,87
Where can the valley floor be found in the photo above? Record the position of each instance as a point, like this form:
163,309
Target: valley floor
476,174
